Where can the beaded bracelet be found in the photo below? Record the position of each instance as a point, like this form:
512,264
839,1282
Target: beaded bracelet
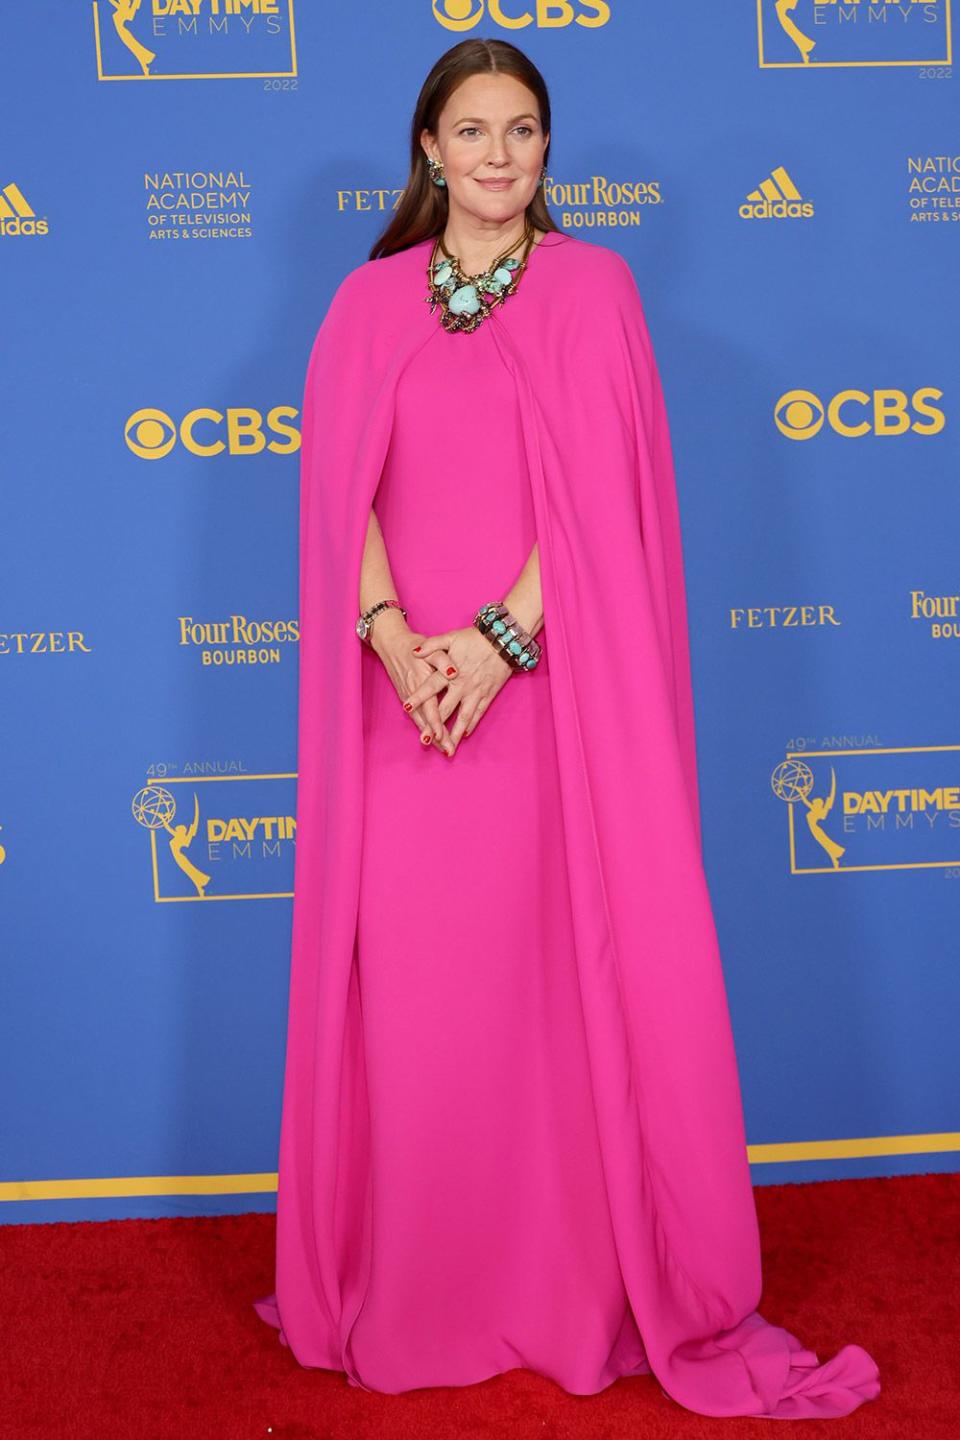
505,632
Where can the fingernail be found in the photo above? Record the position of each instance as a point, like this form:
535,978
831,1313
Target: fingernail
425,739
407,705
416,648
451,670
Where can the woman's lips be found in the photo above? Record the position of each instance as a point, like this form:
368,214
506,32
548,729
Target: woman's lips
495,184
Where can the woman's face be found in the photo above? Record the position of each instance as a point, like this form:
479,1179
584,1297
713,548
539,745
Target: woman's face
489,131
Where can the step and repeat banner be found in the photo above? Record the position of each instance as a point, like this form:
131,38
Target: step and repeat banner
183,184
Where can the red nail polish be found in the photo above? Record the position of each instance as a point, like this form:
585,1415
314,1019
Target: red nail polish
451,670
407,705
425,739
416,648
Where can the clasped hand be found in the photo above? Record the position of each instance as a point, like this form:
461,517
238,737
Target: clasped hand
437,674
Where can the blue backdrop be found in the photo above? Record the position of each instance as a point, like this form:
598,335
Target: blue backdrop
183,186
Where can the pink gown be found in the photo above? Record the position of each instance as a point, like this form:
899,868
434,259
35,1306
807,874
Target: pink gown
492,1244
512,1130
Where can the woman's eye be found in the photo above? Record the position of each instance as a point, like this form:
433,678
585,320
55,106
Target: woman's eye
472,129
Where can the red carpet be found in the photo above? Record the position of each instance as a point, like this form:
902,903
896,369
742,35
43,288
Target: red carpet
143,1330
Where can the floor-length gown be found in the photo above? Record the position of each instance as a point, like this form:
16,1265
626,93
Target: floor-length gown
492,1244
512,1131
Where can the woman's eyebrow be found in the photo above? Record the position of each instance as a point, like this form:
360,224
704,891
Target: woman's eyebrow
476,119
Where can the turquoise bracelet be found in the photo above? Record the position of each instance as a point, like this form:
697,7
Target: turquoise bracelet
504,631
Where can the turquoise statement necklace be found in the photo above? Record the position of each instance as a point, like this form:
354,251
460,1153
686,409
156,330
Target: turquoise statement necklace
466,300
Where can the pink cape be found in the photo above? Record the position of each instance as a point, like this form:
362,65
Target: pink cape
663,1067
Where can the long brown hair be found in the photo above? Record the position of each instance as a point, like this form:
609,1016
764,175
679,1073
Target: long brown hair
422,211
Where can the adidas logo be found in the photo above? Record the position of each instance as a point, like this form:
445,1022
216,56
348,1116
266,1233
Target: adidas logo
776,198
17,217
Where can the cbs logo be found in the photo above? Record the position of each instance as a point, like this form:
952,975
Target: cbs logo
799,414
546,14
152,434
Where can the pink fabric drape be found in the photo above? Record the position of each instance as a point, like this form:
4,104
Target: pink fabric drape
662,1061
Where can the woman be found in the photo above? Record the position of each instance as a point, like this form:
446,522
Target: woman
512,1131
